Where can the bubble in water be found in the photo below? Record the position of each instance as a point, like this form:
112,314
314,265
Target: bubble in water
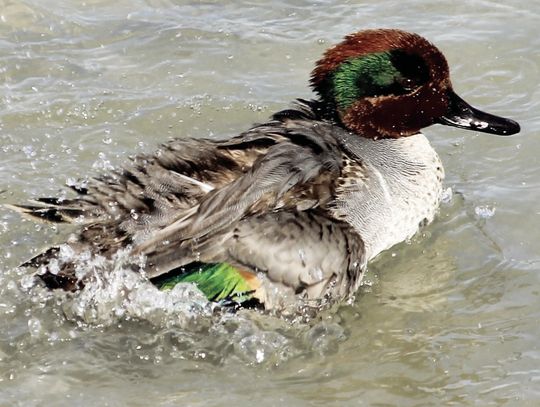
263,346
325,337
484,211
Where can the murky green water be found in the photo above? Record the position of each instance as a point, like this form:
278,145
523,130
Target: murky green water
451,317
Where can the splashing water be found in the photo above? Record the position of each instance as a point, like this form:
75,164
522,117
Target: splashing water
183,323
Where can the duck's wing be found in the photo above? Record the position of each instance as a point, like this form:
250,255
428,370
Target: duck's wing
274,221
296,173
271,230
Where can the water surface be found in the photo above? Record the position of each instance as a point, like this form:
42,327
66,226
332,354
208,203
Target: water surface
451,317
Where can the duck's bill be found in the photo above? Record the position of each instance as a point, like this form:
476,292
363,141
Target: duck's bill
461,114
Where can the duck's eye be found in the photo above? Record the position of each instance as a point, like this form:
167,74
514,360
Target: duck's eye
408,84
412,68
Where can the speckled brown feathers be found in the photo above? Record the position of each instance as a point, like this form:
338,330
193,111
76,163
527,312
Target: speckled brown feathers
201,200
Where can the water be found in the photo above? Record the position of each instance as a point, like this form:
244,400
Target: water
448,318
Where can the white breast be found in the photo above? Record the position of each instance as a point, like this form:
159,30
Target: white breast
400,189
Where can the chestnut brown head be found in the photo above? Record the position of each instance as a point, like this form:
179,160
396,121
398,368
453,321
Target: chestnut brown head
391,83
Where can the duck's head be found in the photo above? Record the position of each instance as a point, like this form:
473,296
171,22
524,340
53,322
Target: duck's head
391,83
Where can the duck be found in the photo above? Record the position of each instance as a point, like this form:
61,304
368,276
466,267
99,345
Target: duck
292,210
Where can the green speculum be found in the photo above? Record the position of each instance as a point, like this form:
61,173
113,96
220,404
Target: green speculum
217,281
365,76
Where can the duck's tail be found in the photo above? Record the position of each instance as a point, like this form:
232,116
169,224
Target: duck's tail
53,210
49,210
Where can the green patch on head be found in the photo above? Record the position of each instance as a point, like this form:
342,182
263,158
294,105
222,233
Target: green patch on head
364,76
217,281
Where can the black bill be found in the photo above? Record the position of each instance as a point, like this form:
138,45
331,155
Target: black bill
461,114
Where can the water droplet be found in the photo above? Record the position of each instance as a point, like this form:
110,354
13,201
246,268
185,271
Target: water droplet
447,195
27,282
34,326
29,151
66,253
259,356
